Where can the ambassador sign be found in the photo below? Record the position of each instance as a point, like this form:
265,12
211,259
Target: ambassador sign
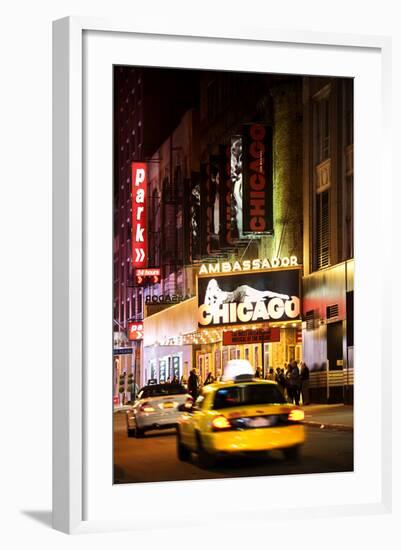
248,265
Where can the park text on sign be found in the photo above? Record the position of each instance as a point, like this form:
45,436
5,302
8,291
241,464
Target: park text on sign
238,337
135,331
139,188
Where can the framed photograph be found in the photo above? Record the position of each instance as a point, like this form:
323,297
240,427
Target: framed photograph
218,275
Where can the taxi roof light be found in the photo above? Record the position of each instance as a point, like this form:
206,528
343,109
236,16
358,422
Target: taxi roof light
244,378
237,367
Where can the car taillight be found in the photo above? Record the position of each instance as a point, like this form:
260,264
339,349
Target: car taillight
296,415
221,423
146,407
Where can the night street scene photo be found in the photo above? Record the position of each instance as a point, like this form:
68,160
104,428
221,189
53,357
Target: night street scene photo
233,274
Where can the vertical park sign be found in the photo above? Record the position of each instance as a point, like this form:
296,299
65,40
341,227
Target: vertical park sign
139,207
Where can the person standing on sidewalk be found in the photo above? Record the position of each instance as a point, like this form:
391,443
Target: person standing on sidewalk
288,388
193,384
280,378
295,383
270,375
305,384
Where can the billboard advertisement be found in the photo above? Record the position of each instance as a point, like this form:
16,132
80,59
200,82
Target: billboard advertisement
214,200
193,198
236,186
139,210
228,235
257,184
249,298
209,206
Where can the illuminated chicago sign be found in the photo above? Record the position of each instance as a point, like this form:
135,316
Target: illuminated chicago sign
139,190
249,298
257,179
248,265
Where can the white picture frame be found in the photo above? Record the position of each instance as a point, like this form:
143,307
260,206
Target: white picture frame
82,50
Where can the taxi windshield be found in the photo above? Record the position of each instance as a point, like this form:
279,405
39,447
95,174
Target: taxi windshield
252,394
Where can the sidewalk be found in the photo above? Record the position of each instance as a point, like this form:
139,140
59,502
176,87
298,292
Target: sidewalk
337,416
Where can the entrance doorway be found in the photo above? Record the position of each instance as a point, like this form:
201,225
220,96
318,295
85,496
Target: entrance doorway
335,358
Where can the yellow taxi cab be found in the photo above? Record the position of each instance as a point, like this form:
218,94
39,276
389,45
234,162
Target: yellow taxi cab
239,415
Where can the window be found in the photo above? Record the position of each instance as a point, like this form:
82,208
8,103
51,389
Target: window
349,216
349,168
322,129
158,390
212,100
247,395
322,228
321,179
349,111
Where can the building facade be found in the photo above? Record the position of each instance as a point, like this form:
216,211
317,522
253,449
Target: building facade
328,288
190,164
213,210
147,106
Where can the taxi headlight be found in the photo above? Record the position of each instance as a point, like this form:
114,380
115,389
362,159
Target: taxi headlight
296,415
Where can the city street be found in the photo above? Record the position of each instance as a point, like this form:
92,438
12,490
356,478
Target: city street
153,458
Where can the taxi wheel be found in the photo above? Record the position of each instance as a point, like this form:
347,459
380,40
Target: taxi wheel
292,453
130,431
205,459
139,433
183,453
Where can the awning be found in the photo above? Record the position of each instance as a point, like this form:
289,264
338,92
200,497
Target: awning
171,323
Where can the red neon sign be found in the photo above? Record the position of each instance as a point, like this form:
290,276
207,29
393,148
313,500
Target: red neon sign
150,272
231,337
135,331
139,189
147,276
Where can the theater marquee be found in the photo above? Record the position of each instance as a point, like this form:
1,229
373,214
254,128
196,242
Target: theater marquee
249,298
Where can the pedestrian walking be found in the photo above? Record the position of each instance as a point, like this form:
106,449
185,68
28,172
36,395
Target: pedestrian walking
193,384
174,380
258,373
209,379
305,384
